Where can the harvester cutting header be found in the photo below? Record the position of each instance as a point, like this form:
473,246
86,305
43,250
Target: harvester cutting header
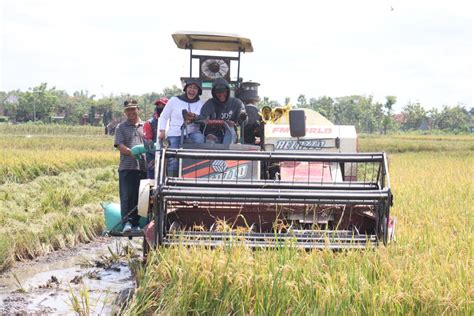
292,178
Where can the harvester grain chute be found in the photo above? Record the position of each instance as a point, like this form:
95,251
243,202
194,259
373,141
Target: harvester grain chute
304,184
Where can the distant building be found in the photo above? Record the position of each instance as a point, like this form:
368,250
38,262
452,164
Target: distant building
424,125
86,120
57,119
400,118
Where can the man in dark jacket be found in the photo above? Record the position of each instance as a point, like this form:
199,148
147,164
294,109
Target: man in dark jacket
221,113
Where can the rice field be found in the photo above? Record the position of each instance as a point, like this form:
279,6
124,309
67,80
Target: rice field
51,185
401,143
428,270
50,193
25,156
50,129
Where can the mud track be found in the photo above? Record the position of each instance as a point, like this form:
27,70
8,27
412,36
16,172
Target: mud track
48,284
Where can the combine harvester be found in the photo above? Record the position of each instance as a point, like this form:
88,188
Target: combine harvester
303,185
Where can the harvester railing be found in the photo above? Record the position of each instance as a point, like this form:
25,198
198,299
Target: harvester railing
353,185
275,155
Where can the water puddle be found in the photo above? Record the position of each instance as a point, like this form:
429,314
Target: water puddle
88,275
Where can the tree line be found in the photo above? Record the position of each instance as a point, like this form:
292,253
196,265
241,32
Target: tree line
46,105
369,116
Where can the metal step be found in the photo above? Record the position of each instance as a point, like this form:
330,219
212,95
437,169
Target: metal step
127,234
304,240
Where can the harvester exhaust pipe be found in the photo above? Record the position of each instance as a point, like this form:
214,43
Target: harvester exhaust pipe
297,123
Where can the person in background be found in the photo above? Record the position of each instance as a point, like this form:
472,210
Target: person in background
177,115
221,114
128,134
252,126
150,129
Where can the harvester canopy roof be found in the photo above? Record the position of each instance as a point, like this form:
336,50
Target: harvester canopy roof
212,41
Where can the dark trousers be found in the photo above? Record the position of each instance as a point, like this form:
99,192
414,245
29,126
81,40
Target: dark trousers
150,165
129,184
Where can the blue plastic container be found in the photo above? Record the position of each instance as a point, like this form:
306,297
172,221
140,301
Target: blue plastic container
113,217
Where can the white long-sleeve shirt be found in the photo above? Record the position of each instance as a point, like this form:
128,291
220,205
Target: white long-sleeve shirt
173,113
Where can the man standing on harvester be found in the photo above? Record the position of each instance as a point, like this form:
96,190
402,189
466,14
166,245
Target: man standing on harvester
128,134
221,114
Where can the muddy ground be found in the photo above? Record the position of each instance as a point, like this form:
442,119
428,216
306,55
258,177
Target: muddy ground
50,284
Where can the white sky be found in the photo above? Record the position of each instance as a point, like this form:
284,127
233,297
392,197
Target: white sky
419,51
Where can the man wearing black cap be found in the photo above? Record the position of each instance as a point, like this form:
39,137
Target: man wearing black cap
221,113
128,134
